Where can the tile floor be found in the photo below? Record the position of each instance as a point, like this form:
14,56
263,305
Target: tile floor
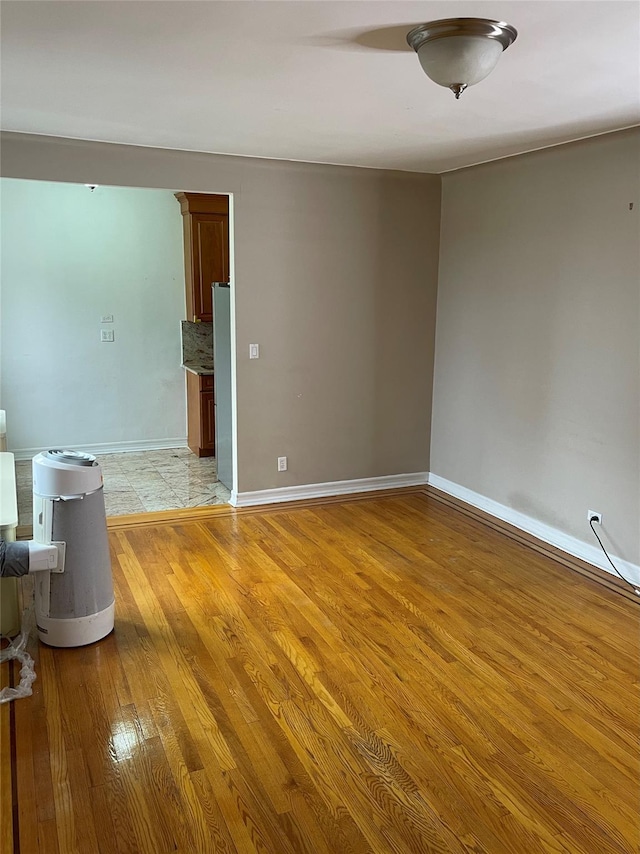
143,481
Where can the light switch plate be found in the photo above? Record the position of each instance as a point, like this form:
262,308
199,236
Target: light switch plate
106,336
254,351
106,318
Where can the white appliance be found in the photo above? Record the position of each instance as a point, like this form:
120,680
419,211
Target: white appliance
222,367
74,603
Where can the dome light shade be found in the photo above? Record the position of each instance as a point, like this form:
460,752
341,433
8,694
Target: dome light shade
460,52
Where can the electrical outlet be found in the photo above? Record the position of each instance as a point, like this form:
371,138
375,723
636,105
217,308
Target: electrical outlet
593,514
106,336
282,463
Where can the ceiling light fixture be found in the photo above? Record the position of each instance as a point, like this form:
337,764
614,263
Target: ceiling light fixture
460,52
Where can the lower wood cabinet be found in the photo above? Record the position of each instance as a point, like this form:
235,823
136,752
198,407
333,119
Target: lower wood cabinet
201,424
207,421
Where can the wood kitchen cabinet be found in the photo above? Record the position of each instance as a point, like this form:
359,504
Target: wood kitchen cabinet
205,219
201,424
206,249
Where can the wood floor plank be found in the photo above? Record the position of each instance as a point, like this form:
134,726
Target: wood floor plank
48,837
213,828
87,839
6,794
103,819
58,760
362,677
26,785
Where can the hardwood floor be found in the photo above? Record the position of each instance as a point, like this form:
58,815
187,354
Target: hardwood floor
380,675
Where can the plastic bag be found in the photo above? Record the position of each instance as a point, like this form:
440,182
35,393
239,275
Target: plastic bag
17,649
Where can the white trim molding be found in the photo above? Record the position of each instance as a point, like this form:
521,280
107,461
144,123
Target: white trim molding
326,490
565,542
114,448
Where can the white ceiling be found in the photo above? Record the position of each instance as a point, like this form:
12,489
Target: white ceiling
330,82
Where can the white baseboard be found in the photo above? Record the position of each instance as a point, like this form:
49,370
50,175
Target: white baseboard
326,490
553,536
112,448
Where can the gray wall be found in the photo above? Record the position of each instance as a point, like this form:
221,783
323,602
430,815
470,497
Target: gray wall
336,277
536,370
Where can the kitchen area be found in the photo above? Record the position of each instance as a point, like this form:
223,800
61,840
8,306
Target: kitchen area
206,333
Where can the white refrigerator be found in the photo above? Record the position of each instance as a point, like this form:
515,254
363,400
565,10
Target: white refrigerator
222,381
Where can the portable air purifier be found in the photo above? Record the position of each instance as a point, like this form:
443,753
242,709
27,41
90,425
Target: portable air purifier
74,602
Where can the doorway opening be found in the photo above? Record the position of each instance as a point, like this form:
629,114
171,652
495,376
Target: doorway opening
93,297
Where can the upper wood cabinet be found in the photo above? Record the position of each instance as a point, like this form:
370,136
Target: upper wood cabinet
206,249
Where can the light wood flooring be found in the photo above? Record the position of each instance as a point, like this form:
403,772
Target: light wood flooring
379,675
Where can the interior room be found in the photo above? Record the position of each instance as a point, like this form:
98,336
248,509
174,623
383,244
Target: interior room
114,259
413,625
